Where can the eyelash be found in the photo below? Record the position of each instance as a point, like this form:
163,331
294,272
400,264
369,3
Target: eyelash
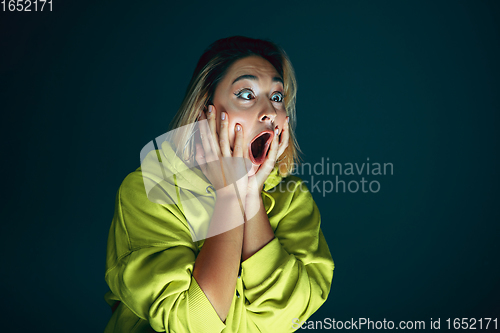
239,92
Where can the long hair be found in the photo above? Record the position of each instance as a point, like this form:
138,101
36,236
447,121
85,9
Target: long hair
211,69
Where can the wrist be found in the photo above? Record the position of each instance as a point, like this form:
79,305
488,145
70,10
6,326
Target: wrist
254,195
228,194
253,203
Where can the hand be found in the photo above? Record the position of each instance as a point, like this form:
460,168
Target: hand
258,231
220,165
256,181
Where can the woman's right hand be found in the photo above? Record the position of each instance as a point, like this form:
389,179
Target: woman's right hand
220,165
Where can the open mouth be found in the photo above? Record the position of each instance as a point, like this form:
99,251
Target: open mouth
259,147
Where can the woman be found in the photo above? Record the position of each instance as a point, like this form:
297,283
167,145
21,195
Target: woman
201,239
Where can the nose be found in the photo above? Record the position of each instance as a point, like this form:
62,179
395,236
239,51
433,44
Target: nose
267,113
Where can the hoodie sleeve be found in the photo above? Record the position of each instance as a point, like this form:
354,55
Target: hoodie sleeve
150,262
290,277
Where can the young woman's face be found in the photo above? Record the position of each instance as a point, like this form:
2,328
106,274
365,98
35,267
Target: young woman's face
252,95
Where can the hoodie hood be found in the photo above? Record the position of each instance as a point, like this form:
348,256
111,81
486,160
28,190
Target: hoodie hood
168,180
162,164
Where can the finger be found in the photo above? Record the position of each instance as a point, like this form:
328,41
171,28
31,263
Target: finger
204,135
199,151
200,157
273,150
238,141
212,123
268,165
240,165
224,135
285,137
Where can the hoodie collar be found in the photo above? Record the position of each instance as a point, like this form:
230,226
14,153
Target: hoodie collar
164,165
193,179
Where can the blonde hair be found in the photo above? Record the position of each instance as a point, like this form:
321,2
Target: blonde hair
210,70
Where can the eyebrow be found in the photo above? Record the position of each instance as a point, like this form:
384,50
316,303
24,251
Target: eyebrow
253,77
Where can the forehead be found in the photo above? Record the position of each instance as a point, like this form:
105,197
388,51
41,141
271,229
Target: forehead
254,65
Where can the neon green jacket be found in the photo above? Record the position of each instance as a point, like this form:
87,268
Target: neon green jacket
151,254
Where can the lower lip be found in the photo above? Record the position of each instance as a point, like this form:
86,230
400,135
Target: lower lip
255,168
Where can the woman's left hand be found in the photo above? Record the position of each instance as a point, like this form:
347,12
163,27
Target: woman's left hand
256,182
258,231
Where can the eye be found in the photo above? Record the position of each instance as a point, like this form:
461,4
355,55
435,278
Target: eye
277,97
245,94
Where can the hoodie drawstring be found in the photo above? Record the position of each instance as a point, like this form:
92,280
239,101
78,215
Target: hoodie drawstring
272,201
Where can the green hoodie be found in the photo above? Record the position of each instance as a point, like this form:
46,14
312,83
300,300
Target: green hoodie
151,254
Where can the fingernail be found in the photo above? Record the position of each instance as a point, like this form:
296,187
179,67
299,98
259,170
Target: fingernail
238,128
287,119
210,109
276,130
223,116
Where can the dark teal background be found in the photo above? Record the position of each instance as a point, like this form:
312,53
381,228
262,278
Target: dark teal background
413,83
